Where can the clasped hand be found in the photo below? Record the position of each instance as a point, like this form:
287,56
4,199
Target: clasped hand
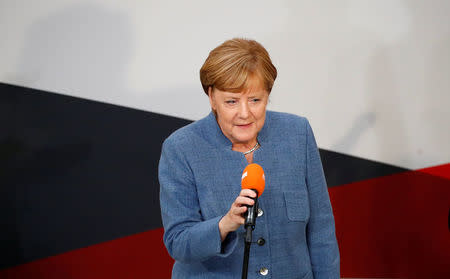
235,216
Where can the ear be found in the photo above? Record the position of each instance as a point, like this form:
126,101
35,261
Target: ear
211,98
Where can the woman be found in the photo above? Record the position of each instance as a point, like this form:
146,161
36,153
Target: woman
200,170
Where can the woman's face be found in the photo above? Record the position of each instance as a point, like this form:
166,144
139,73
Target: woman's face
240,115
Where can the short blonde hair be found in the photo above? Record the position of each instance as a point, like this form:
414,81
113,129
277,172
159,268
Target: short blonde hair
231,65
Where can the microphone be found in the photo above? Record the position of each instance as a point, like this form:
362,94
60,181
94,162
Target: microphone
252,178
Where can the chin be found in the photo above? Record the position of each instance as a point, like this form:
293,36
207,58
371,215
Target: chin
245,138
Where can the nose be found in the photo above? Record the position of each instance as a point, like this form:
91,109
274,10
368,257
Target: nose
244,110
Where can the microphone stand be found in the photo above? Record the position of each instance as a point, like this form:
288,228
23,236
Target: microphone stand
250,222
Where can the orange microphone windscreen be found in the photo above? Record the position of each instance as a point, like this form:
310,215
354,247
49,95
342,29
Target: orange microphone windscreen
253,178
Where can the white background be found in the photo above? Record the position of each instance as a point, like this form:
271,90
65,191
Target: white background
373,77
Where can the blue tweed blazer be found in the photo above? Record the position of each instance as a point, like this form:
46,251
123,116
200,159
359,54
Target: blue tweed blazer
200,177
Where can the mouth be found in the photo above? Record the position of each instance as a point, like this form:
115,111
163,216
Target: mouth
245,125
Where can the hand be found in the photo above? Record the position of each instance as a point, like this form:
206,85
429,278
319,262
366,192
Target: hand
234,217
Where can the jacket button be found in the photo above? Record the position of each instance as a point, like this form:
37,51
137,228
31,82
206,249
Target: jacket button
263,271
261,241
260,212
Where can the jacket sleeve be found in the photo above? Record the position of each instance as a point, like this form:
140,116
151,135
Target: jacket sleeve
321,236
187,236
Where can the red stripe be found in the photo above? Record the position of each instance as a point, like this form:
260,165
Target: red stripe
442,171
394,226
138,256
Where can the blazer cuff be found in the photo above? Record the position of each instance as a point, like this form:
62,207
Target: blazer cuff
228,244
207,242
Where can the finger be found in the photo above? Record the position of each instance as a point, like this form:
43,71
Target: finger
238,215
248,193
239,210
240,201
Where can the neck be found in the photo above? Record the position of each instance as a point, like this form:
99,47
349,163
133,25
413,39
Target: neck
243,147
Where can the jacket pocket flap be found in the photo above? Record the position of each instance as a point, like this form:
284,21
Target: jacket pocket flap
297,205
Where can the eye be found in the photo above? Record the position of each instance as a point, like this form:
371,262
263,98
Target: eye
255,100
231,102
